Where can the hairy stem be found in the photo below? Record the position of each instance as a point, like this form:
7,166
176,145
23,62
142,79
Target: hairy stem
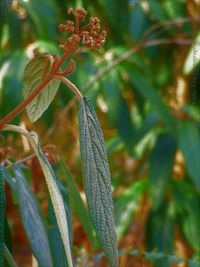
70,85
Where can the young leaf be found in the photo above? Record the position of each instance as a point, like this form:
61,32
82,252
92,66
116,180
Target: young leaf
36,70
55,195
32,221
2,214
97,181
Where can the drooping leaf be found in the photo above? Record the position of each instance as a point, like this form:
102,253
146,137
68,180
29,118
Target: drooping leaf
160,169
35,72
186,204
32,221
189,143
97,180
126,205
118,112
2,215
56,197
160,233
82,213
5,6
56,244
148,92
11,82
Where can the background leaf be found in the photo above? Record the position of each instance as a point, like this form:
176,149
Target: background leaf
2,215
160,169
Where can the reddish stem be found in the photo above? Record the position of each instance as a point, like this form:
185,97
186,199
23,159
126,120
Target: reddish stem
42,85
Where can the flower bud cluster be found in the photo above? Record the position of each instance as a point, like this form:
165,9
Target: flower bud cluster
89,34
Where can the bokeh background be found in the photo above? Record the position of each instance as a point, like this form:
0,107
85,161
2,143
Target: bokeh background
145,86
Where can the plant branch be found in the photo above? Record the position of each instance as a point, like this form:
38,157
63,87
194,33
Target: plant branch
36,92
70,85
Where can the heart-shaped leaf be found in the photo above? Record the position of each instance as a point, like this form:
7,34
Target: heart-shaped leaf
35,72
97,181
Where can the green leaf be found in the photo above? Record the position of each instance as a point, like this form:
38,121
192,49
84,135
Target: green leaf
97,180
2,215
148,92
82,213
56,197
160,230
32,221
186,204
9,258
5,6
11,82
56,244
189,143
36,70
160,170
126,205
118,111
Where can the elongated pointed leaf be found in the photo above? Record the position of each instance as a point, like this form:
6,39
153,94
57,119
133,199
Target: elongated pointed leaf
36,70
56,244
148,92
32,221
97,181
189,143
55,195
2,215
160,170
9,258
79,206
126,205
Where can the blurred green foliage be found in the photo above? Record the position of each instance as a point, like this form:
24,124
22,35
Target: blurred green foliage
148,105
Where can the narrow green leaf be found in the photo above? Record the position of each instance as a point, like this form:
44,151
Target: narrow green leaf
36,70
56,197
9,258
56,244
148,92
82,213
118,111
32,221
126,205
160,229
189,143
97,180
2,215
160,169
5,6
186,204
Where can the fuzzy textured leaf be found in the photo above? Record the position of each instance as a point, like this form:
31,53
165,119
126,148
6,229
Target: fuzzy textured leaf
56,197
97,180
36,70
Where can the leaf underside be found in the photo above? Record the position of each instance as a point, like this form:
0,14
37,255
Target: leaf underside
35,72
97,181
